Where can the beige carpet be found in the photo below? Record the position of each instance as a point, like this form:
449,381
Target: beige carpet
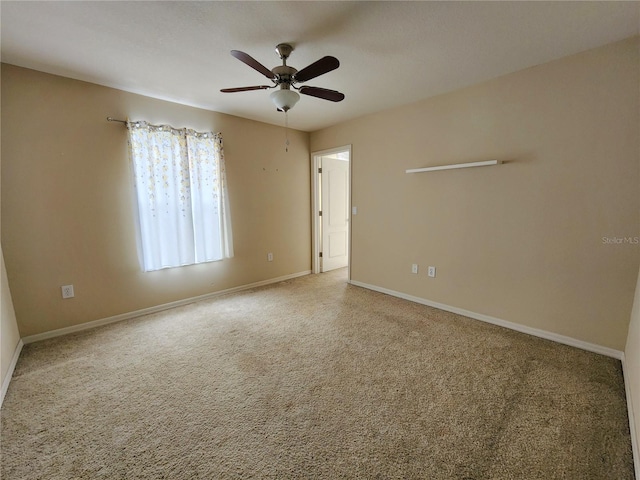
312,378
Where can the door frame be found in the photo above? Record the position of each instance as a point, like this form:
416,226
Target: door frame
315,206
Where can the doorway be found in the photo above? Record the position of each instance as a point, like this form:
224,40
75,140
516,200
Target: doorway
331,190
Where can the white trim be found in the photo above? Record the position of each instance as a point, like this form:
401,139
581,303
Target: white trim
591,347
145,311
12,367
315,206
632,423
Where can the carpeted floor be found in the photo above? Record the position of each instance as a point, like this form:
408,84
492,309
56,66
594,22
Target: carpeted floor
312,378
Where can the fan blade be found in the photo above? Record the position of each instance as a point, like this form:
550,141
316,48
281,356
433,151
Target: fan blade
324,93
253,63
322,66
245,89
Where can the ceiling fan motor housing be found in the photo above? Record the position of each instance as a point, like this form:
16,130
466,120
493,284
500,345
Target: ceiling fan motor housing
284,75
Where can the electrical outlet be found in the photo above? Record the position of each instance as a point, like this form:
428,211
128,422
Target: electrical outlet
67,291
431,271
414,268
269,257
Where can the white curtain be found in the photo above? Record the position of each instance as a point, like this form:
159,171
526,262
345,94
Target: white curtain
182,200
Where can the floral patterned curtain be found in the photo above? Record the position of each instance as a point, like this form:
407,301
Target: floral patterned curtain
182,200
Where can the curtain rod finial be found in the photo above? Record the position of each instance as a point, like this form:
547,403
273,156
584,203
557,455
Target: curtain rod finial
111,119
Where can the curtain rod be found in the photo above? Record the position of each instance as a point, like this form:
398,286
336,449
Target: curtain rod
110,119
199,134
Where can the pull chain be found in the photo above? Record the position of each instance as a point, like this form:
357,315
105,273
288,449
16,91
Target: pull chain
286,131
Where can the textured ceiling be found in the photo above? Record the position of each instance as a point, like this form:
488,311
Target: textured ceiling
391,53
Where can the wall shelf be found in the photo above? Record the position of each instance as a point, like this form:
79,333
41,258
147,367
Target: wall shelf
486,163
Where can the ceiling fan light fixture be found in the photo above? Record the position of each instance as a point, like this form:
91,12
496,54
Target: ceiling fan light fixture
284,99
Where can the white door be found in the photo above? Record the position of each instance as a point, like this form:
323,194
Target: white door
335,213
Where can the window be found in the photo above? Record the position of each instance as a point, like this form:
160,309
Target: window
182,201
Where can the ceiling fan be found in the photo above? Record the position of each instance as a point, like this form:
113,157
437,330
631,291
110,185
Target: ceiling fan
287,77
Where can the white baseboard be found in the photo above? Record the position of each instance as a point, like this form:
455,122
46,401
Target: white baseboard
12,367
591,347
632,422
145,311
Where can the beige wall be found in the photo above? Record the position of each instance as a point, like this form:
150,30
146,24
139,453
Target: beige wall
67,213
522,241
632,363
